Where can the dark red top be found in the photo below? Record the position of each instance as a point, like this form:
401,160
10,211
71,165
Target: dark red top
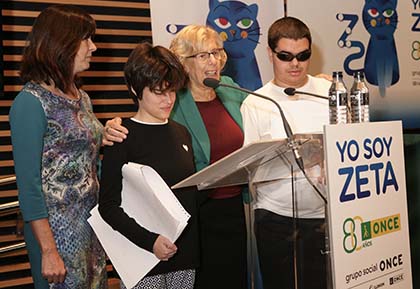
225,137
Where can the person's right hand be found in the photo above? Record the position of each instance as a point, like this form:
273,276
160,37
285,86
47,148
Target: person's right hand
114,132
53,268
163,248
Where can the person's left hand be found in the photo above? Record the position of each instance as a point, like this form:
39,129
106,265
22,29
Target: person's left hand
163,248
114,132
53,268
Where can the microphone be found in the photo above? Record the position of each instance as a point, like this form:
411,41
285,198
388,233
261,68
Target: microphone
214,83
292,91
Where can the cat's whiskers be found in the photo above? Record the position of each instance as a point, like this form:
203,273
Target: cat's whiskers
252,30
255,41
253,34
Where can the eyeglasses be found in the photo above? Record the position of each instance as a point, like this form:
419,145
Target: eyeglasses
287,56
204,56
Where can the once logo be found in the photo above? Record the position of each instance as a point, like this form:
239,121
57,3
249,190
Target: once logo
396,279
391,262
359,234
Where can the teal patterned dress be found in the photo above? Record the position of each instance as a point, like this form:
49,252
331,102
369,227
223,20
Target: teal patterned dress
56,145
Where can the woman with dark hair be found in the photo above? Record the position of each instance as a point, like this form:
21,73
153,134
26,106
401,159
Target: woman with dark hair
56,140
153,74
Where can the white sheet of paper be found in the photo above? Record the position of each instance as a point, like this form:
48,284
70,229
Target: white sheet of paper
147,199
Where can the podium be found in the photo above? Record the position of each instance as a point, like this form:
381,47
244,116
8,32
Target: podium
366,214
250,162
252,165
367,206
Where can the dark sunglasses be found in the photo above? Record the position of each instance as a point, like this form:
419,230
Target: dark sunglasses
287,56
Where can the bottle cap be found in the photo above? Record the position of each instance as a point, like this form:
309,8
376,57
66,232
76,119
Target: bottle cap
359,73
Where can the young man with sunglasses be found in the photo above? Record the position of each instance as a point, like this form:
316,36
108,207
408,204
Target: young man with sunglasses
289,229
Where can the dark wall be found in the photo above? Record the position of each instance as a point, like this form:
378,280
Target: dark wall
412,164
1,53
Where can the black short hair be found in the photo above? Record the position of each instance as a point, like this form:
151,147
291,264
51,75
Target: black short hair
290,28
154,67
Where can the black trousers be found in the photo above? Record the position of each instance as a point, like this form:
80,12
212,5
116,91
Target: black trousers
223,260
275,242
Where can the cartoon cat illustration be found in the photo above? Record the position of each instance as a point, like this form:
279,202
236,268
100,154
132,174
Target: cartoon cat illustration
381,61
237,24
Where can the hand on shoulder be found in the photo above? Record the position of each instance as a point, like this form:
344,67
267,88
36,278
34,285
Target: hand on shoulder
114,132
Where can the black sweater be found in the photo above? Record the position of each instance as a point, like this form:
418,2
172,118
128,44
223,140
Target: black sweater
167,149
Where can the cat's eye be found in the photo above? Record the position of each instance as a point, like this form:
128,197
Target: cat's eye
222,23
245,23
388,13
373,12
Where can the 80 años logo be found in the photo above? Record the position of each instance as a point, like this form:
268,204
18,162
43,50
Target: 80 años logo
359,234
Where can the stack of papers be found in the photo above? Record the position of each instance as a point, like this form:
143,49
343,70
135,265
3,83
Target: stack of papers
148,200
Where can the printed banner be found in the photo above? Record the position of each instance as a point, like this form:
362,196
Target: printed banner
242,24
368,221
380,37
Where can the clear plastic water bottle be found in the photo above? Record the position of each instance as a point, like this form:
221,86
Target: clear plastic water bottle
359,99
338,99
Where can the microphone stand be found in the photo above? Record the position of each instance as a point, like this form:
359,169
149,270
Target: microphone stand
292,91
214,83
